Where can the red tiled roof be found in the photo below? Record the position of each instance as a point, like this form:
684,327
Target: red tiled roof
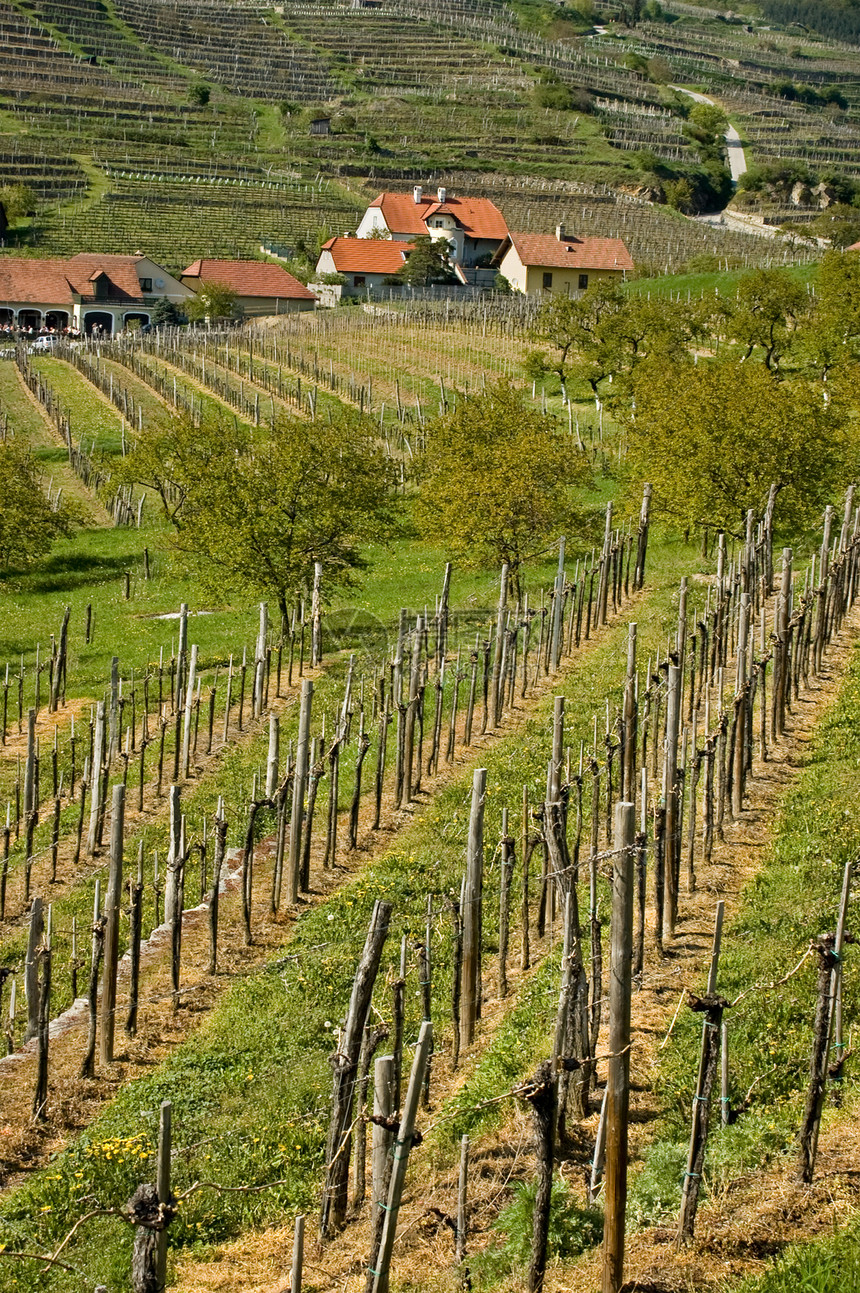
121,271
480,217
545,251
367,255
249,278
41,282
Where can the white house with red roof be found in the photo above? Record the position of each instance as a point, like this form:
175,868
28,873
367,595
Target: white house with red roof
363,262
475,227
261,287
559,262
87,292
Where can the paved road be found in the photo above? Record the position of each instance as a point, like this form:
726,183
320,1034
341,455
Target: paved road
734,147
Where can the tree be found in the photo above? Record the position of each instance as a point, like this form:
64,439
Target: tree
254,509
679,194
829,340
165,314
770,303
29,524
498,480
213,301
605,332
711,438
575,330
199,92
427,263
551,92
17,200
840,223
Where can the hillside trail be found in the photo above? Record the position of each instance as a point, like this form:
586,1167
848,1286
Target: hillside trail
74,1101
734,146
738,1231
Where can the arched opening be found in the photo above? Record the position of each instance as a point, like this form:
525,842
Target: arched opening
30,319
57,319
135,319
98,322
7,317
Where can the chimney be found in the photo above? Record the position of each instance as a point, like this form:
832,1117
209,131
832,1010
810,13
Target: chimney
442,194
416,194
559,232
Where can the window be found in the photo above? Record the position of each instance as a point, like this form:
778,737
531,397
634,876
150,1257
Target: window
583,282
146,285
547,281
358,280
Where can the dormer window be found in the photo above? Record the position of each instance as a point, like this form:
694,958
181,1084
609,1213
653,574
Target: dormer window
101,286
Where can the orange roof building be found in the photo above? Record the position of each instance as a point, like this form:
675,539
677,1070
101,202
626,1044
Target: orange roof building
261,287
364,262
559,262
88,291
475,227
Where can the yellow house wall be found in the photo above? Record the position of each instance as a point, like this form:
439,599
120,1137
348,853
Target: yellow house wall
567,281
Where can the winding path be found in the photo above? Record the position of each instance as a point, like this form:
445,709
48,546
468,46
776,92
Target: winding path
734,148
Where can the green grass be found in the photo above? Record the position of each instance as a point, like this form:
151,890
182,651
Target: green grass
831,1265
708,282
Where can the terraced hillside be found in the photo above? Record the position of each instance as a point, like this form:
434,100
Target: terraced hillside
186,125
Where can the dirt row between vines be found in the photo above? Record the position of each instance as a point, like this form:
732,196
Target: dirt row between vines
738,1231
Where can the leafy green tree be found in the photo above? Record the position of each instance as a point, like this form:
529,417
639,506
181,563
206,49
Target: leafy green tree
15,200
711,438
829,340
552,92
679,194
165,314
769,305
199,92
498,480
706,125
213,301
254,509
840,223
29,525
575,329
605,332
428,263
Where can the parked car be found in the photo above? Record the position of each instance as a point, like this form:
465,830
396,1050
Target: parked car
44,343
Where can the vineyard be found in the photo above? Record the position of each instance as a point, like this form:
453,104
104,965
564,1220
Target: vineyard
505,855
186,126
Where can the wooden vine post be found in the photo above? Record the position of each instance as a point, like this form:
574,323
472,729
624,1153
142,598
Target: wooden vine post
501,615
618,1078
163,1188
829,949
378,1269
345,1065
40,1096
672,805
712,1007
300,782
642,537
382,1135
112,913
541,1093
470,1007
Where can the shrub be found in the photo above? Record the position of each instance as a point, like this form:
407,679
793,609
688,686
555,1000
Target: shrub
571,1230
